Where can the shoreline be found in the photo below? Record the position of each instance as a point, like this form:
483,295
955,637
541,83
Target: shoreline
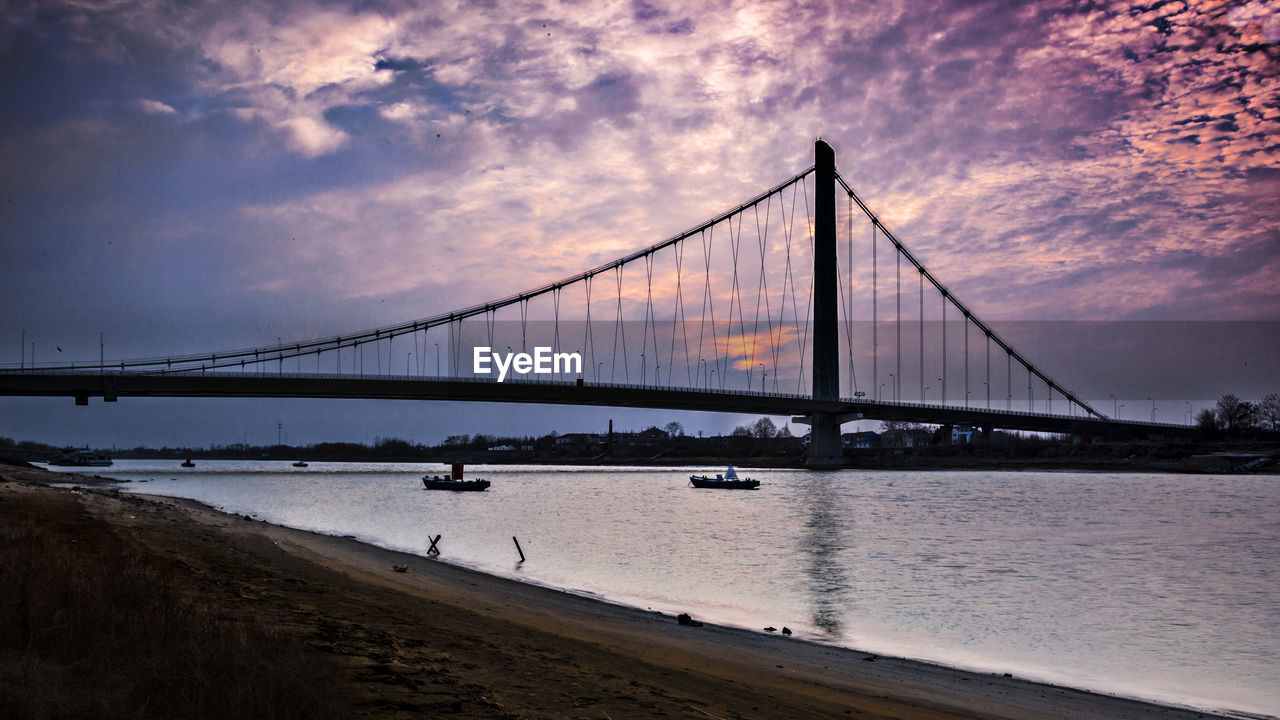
729,671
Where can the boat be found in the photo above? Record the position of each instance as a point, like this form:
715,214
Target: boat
300,463
728,481
453,481
81,458
188,463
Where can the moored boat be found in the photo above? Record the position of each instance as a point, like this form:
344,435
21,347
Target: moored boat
81,458
453,481
728,481
300,463
188,463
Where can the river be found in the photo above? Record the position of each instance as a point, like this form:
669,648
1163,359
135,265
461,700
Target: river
1154,586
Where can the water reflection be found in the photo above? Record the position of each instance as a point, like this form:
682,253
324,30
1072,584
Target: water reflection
823,541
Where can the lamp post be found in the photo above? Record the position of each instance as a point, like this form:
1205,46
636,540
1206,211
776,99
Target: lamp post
1115,407
893,383
406,363
437,359
1153,410
924,394
1188,412
599,369
643,369
710,382
880,393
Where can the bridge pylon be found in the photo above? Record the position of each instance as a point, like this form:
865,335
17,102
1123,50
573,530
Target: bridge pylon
825,446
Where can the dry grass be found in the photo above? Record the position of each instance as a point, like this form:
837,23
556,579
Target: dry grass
89,628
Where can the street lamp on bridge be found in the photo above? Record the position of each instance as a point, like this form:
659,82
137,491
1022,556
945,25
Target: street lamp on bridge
1115,408
1153,410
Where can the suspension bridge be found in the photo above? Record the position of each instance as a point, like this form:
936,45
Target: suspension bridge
791,303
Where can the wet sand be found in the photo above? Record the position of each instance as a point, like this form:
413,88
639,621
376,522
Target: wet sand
444,641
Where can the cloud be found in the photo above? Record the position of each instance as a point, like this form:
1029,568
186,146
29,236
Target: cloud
312,137
155,107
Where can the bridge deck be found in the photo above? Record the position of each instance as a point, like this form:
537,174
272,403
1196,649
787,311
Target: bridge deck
382,387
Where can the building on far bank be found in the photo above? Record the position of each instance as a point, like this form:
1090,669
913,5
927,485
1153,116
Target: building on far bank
861,440
578,439
906,438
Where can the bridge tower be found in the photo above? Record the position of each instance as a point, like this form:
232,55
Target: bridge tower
825,447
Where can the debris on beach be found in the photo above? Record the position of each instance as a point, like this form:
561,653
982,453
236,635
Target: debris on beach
400,568
771,629
684,619
786,630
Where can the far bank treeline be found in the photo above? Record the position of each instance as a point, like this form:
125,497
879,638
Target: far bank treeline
1232,424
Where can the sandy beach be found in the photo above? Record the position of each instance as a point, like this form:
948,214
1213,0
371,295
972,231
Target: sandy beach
442,641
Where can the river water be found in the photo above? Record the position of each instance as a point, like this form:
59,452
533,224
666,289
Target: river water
1154,586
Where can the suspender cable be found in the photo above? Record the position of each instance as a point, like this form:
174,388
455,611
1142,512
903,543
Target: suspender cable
848,312
988,372
966,362
875,320
944,349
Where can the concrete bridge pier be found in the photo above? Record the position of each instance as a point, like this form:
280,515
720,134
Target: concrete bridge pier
826,448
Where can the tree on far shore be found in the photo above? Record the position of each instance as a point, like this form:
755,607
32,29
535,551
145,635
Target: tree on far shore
1207,421
1235,415
1269,412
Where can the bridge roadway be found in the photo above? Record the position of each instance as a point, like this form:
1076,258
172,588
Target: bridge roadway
111,386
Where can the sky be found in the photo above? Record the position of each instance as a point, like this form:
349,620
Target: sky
196,176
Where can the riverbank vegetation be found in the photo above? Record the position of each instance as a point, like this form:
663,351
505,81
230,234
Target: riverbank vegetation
91,626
